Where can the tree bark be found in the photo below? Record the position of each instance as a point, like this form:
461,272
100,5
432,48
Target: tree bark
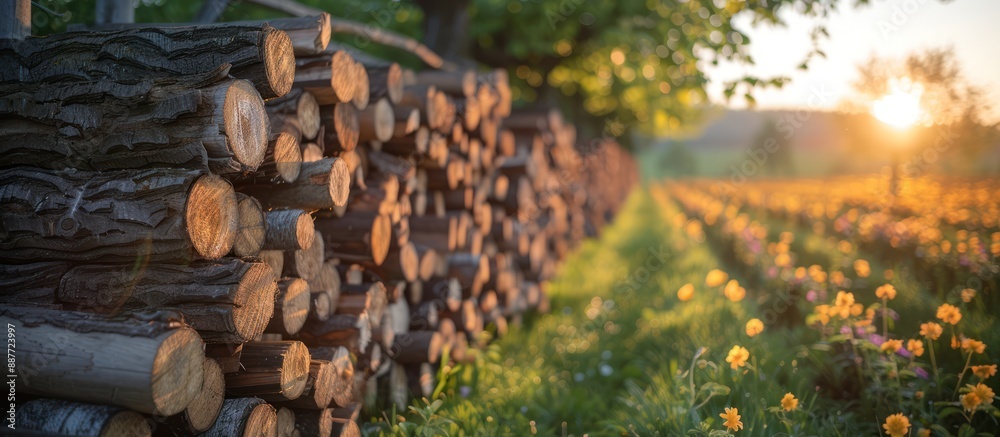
306,263
250,417
226,301
377,122
417,347
346,127
261,54
385,81
149,363
101,126
15,22
55,416
321,184
160,215
299,104
291,307
357,236
328,76
314,422
290,229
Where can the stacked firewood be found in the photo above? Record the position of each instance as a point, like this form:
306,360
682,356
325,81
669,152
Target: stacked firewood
242,228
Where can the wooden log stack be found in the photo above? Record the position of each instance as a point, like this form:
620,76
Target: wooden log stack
243,229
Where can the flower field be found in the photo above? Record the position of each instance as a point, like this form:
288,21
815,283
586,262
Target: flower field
800,307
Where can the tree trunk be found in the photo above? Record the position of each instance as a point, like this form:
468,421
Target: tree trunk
261,54
328,76
299,104
417,347
317,423
151,363
59,417
346,127
321,184
271,370
101,126
385,81
160,215
226,301
15,22
291,307
250,417
290,229
357,236
377,122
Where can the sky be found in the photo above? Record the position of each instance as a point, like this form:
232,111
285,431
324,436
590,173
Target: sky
890,28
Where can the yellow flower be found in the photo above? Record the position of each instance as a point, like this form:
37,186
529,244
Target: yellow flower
891,346
968,294
734,292
754,327
886,291
685,293
716,278
857,309
738,357
930,330
896,425
732,416
789,403
915,346
985,371
970,401
955,344
862,268
984,392
823,313
844,299
837,278
949,314
969,345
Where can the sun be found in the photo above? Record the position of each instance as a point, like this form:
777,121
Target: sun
901,107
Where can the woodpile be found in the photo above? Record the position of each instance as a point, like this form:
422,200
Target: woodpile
243,229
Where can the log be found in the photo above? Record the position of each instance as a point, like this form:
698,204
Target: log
204,409
320,386
417,347
386,81
275,259
429,101
327,282
425,317
361,87
227,355
290,229
221,127
282,161
328,76
428,260
472,271
402,264
312,152
271,370
447,292
458,83
346,127
260,54
300,105
250,237
343,372
387,164
59,417
245,417
151,365
285,422
228,301
357,236
352,331
291,307
306,263
410,145
377,122
407,121
437,233
314,422
320,304
321,184
115,216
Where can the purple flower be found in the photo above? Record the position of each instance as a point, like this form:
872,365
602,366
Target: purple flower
811,295
465,391
772,272
904,353
921,372
876,339
845,330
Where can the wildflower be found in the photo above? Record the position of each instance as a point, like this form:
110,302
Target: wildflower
837,278
857,309
915,346
789,403
896,425
955,344
968,294
862,268
732,417
823,314
924,433
891,346
887,292
970,401
716,278
985,371
738,357
949,314
969,345
754,327
734,292
984,392
843,304
930,330
685,293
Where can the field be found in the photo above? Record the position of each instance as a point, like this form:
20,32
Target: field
812,307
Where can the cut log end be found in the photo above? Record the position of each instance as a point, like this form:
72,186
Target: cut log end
361,86
385,120
295,306
262,421
287,156
179,360
295,370
409,262
340,182
204,409
307,113
342,76
252,306
250,238
289,230
381,238
394,83
279,62
246,122
212,216
346,125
